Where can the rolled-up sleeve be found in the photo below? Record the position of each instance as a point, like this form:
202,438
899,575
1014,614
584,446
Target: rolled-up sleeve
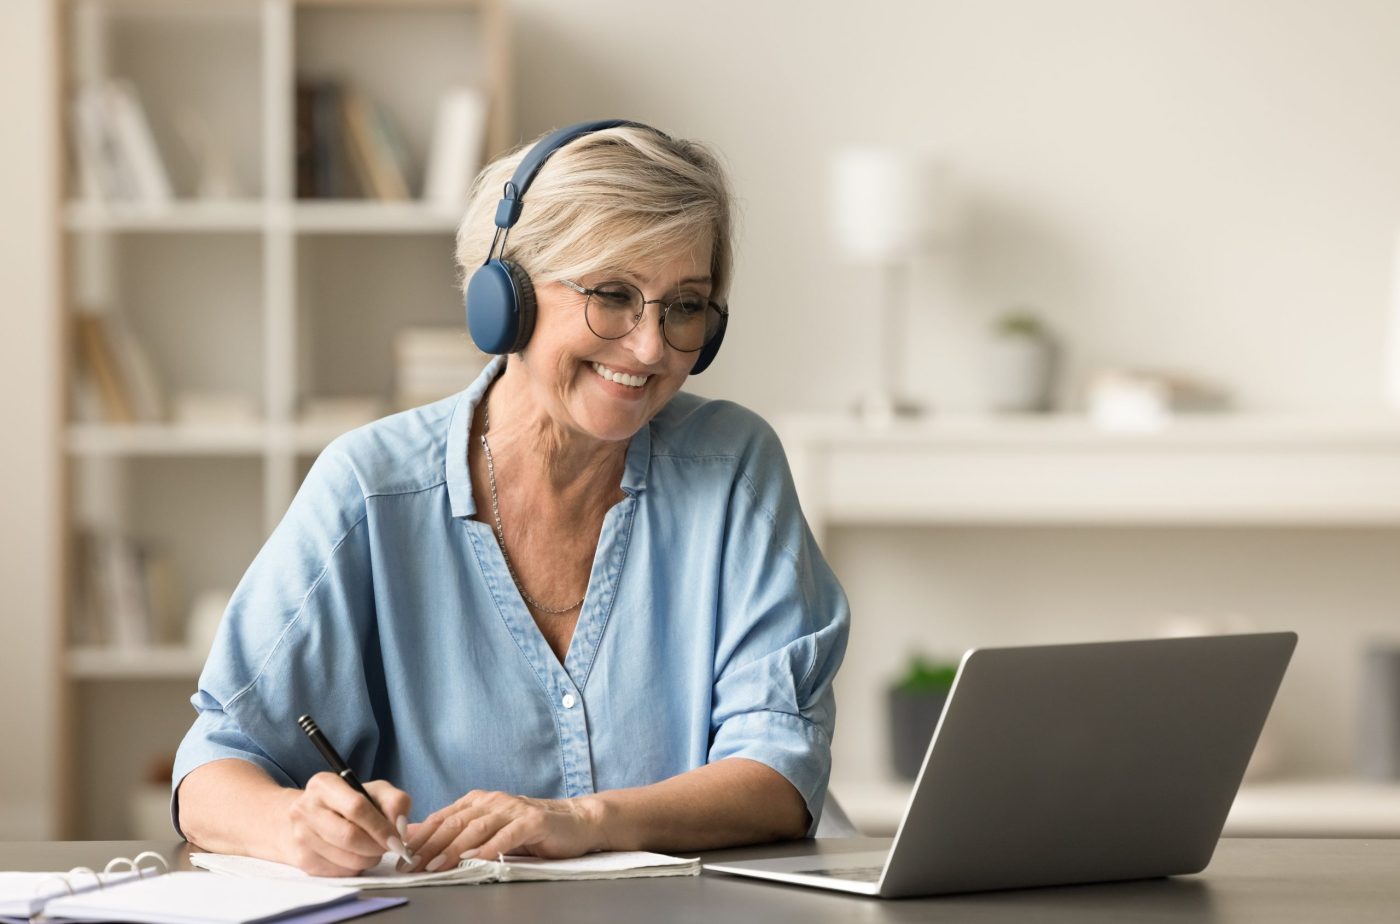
783,625
292,642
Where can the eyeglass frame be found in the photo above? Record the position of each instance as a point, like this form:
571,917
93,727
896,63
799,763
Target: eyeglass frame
589,292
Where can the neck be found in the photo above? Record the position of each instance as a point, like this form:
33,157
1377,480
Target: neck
539,451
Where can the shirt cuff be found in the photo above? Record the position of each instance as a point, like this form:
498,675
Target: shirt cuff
798,749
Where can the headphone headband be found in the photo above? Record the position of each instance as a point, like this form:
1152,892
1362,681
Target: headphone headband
508,212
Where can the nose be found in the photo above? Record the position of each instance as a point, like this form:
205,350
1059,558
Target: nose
646,341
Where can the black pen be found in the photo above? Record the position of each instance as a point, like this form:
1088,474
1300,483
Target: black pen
342,769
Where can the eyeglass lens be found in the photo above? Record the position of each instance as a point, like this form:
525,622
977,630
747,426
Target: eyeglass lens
616,308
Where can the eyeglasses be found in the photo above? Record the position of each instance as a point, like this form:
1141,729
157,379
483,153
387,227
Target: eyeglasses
613,310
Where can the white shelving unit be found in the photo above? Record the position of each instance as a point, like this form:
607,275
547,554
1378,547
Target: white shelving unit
1062,470
275,298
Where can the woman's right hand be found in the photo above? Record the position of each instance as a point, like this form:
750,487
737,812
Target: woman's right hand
334,830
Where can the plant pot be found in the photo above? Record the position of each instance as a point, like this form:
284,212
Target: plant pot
1020,373
913,717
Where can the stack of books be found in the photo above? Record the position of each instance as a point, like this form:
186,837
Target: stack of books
349,146
432,363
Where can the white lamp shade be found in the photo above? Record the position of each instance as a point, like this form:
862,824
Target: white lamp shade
884,203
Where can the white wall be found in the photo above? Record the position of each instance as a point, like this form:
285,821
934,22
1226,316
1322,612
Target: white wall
1208,186
29,479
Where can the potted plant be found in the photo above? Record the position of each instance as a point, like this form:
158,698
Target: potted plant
1020,363
915,703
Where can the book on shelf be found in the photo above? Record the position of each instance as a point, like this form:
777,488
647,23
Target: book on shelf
347,145
377,156
118,365
127,594
457,148
114,148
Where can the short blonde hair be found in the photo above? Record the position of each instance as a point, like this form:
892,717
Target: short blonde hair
609,201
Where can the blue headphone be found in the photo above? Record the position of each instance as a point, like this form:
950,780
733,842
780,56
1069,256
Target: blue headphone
500,298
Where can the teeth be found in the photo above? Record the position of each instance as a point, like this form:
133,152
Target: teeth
634,381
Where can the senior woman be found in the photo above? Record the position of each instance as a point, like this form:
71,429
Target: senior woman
569,609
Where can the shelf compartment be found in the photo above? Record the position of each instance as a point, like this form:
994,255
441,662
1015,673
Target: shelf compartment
165,662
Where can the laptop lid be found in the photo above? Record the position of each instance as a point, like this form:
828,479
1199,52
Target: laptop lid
1085,763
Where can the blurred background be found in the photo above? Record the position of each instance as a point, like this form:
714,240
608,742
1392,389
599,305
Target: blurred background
1078,319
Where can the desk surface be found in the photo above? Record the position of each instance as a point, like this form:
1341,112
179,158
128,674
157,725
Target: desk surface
1275,881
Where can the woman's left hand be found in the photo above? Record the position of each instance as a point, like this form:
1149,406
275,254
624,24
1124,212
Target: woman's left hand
489,824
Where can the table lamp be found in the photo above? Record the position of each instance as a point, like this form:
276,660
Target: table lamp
887,205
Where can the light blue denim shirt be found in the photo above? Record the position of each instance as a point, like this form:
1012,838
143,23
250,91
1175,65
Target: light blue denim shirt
712,627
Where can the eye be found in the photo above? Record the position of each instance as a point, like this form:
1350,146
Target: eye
614,295
690,307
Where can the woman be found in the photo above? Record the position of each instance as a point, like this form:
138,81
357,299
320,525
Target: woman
569,609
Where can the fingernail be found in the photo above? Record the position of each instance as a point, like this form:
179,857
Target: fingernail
438,861
468,854
396,846
402,825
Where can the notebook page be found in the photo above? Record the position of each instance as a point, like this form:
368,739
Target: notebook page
195,898
615,865
383,876
24,895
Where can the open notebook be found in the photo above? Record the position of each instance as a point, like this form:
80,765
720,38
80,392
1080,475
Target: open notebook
151,896
621,865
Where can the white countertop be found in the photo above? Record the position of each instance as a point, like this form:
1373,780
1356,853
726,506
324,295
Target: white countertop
1282,808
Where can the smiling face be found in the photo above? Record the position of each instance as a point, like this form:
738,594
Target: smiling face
571,374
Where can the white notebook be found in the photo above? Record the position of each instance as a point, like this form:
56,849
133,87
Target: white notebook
24,895
146,893
620,865
196,898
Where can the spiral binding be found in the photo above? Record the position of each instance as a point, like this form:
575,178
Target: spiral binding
113,866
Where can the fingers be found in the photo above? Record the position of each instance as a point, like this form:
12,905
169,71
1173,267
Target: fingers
345,818
394,805
513,836
464,830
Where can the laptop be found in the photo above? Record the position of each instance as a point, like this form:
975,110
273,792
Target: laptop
1061,764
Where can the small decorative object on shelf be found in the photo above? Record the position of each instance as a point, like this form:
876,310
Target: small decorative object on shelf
149,807
1379,756
1139,400
915,703
1021,364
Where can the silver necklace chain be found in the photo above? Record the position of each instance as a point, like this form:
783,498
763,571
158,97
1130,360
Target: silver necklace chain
496,515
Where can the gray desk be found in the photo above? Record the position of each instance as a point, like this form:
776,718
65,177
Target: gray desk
1274,881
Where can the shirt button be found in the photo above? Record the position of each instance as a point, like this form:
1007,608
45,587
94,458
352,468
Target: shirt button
568,701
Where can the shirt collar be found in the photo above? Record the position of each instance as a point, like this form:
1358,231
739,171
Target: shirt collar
459,482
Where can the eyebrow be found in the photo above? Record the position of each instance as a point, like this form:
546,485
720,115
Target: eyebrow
687,281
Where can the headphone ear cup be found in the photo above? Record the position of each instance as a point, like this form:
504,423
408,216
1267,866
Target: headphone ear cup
711,349
525,304
500,307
